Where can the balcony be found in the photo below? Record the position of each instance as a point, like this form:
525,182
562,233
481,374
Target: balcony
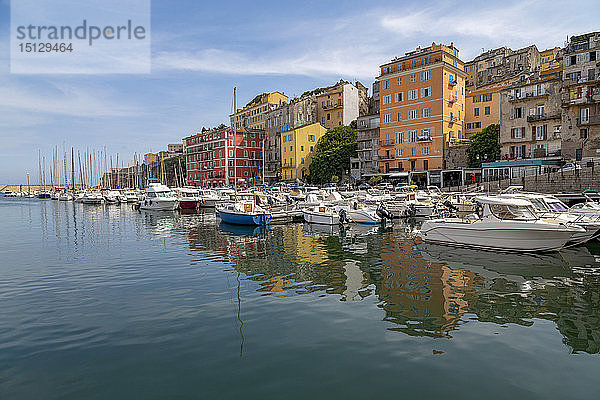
452,82
542,117
387,157
424,138
332,106
584,99
452,99
388,143
526,96
592,120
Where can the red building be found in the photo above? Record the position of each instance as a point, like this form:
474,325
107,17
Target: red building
213,159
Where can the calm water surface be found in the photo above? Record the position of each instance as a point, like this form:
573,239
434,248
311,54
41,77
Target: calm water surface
102,302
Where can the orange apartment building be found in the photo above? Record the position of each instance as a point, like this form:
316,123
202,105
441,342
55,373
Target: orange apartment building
422,98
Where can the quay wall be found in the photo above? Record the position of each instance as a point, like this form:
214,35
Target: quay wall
574,181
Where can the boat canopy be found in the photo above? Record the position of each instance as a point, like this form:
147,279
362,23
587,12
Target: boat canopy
503,201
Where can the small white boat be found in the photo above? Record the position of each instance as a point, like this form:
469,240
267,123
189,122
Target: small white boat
504,224
130,196
209,198
92,197
362,214
65,196
158,197
112,197
322,214
189,198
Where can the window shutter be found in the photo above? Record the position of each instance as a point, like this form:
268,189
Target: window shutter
512,113
533,132
567,61
512,133
587,57
545,132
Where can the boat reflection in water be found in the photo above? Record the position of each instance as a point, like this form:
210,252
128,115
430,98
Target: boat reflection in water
421,290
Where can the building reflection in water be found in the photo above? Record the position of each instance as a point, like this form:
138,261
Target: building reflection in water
423,291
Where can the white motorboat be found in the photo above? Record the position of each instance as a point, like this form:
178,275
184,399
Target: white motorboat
362,214
92,197
504,224
548,207
130,196
209,198
324,215
112,197
158,197
65,196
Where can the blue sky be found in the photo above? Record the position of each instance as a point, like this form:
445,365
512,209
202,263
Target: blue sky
201,50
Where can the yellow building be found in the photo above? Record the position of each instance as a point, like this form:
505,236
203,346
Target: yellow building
149,158
252,116
550,64
297,147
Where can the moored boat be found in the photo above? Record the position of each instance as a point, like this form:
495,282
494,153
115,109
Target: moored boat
244,212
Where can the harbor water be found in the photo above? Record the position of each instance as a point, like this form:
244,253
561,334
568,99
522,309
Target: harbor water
104,302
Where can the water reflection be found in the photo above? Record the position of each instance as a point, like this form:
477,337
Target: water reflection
421,290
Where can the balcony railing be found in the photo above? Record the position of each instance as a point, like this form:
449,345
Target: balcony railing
527,95
388,143
335,105
592,120
542,117
424,138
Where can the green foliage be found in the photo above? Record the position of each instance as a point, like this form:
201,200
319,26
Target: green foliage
375,180
332,154
335,179
484,146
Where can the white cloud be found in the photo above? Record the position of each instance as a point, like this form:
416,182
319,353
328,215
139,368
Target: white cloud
63,99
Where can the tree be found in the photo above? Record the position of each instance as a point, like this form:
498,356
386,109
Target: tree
332,154
375,180
484,146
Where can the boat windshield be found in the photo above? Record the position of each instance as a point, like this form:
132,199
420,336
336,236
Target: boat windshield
504,211
557,206
538,204
163,194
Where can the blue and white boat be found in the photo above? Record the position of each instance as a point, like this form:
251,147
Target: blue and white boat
244,212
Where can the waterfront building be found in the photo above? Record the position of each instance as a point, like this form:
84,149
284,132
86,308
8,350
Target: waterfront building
175,149
482,108
297,148
531,118
550,60
287,116
501,65
421,108
340,104
581,97
252,115
222,157
149,158
366,164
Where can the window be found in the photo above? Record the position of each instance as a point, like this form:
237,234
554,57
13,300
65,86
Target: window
311,138
426,92
425,150
284,137
541,132
516,133
583,133
584,115
413,77
387,99
426,75
399,81
413,94
487,110
412,151
385,84
302,160
413,114
425,134
230,153
312,148
399,137
339,114
476,112
412,136
387,118
301,148
387,138
425,165
517,112
398,97
399,116
399,152
426,112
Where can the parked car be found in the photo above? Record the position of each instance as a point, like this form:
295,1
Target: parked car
569,167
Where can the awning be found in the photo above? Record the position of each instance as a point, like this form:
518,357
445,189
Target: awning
399,175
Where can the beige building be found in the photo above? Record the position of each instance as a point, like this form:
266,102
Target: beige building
531,118
581,97
340,104
252,115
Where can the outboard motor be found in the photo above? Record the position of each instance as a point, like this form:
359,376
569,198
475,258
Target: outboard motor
270,200
383,212
344,217
448,204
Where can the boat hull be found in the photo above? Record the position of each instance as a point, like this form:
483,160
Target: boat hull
188,204
321,218
244,219
162,205
534,238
